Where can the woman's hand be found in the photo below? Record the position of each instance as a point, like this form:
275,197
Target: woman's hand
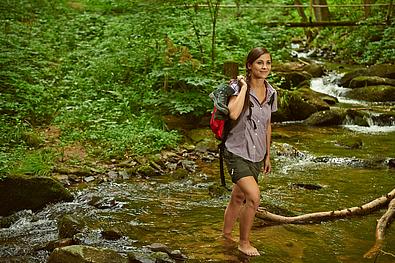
267,166
242,81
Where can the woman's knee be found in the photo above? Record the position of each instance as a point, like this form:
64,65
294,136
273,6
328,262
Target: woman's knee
237,198
253,201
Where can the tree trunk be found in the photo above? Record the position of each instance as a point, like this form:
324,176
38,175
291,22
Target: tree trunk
367,7
300,10
214,10
321,13
231,69
273,219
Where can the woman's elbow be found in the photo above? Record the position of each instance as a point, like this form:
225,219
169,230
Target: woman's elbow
233,116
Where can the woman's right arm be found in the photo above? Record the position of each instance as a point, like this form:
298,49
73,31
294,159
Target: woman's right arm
236,103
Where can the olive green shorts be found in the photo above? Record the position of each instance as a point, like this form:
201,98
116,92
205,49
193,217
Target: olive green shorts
239,167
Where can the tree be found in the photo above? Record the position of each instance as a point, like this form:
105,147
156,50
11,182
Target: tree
321,10
214,11
367,8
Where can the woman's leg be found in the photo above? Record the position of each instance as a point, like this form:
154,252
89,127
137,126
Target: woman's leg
232,211
250,188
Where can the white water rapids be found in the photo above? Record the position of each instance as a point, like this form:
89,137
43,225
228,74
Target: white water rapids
328,85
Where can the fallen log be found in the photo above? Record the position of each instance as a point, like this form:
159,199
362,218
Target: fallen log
382,224
273,219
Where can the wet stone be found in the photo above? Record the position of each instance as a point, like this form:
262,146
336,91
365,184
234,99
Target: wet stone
68,226
89,179
158,247
112,175
177,255
111,234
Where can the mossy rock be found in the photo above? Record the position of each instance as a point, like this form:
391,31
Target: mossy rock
357,117
34,193
147,170
85,254
383,71
381,93
298,105
363,81
326,118
198,135
208,145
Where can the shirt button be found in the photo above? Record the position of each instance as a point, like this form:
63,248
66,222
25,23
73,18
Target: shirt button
256,134
253,146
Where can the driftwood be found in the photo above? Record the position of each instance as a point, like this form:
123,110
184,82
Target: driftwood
273,219
269,219
382,224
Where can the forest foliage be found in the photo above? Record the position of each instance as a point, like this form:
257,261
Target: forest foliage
104,72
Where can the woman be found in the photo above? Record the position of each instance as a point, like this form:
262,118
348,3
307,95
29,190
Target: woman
248,144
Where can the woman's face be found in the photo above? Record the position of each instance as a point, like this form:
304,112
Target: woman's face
261,67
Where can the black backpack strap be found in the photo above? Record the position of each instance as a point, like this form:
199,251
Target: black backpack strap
221,147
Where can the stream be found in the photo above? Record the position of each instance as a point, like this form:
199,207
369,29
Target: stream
183,215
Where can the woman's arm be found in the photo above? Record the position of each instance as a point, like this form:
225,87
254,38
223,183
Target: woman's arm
236,103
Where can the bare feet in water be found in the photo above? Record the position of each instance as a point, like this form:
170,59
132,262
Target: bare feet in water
246,248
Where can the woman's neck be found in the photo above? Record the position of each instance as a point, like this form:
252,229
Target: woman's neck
257,83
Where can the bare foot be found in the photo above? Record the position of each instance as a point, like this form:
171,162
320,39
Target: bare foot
228,237
247,249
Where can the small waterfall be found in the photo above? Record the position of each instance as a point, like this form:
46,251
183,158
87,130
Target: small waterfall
375,116
376,123
328,85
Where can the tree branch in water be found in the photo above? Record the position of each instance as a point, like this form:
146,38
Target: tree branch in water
269,219
382,224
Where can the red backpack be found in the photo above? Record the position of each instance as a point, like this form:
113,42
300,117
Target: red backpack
217,125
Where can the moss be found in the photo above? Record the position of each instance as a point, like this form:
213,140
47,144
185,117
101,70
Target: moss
373,93
23,192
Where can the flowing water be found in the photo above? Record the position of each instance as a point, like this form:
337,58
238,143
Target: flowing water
183,215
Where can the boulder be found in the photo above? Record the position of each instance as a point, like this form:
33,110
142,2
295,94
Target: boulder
292,74
26,192
379,93
326,118
85,254
363,81
356,117
298,104
383,71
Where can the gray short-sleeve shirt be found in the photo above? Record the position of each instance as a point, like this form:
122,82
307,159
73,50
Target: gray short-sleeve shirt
244,139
